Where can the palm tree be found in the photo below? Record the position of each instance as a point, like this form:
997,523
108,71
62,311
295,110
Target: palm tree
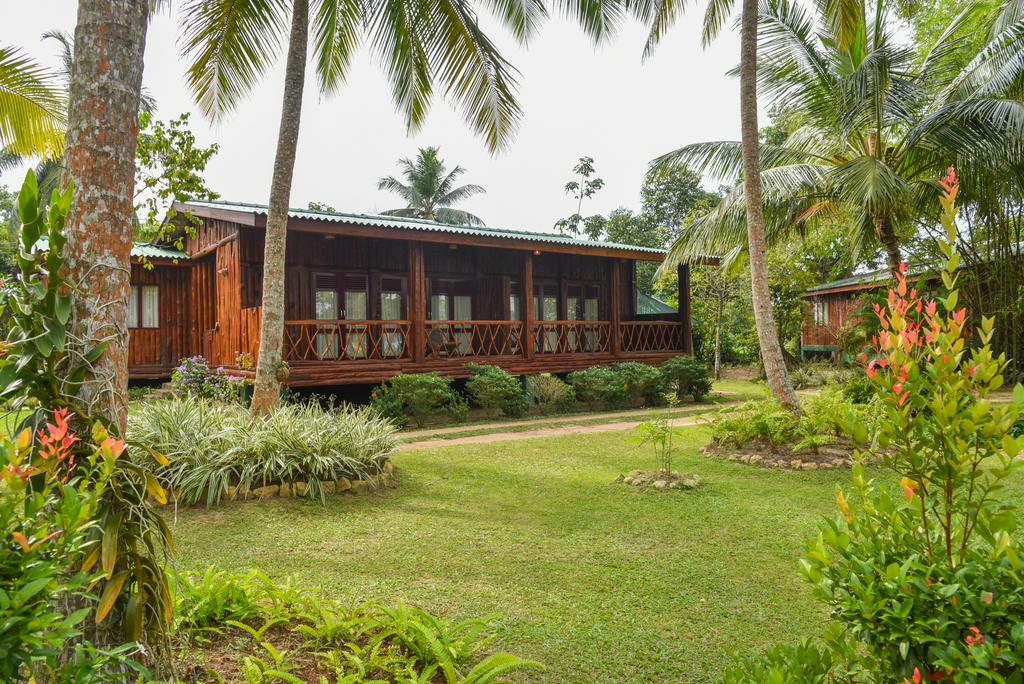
876,127
430,192
660,14
32,109
424,46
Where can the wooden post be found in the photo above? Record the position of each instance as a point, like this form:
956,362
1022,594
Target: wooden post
529,339
615,305
417,300
685,312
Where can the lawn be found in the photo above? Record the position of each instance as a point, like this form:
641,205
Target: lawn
598,581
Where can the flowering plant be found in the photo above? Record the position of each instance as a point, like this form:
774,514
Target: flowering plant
194,376
926,575
46,536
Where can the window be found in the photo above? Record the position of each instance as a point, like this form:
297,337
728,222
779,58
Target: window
392,308
515,301
144,306
819,311
340,296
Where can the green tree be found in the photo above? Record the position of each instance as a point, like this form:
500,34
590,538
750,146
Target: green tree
584,188
169,167
876,125
669,195
321,206
425,46
430,191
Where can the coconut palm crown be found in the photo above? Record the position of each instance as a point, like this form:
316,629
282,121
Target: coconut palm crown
430,190
875,128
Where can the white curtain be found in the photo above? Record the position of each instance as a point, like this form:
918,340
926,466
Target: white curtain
133,307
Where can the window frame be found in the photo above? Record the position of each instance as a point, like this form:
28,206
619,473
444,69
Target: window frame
138,292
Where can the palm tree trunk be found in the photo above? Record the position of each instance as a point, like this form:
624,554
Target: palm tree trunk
771,351
270,370
891,243
103,129
718,335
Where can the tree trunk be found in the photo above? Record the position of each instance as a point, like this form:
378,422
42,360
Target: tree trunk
718,336
771,351
269,367
891,243
103,128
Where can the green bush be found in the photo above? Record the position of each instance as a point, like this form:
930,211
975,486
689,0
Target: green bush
421,396
496,391
823,421
686,376
551,393
645,385
599,387
217,448
859,389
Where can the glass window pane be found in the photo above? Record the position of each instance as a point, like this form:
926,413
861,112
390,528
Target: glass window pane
355,305
150,306
133,307
463,307
573,309
550,309
514,307
391,306
439,307
326,305
590,309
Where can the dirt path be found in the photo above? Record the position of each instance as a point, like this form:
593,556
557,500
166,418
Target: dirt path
554,431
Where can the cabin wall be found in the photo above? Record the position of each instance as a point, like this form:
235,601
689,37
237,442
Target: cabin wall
842,307
153,351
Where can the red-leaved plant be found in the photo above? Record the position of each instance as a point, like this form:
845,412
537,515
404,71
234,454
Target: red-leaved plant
926,575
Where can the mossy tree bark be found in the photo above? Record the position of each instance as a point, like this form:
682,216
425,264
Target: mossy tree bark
103,128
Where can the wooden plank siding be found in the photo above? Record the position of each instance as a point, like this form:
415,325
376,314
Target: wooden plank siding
842,308
152,352
221,289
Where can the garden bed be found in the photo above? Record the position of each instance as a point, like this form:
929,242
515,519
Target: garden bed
767,455
660,479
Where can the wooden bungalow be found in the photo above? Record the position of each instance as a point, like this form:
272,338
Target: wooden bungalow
368,297
833,305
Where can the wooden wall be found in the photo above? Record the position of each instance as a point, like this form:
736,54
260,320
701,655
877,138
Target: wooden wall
152,350
842,306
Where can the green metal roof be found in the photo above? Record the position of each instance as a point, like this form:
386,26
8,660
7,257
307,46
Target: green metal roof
139,249
402,223
870,279
646,304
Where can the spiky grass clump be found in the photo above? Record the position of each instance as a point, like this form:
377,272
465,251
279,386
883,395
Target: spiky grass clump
216,448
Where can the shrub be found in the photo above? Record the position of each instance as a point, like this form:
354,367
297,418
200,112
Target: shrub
859,389
217,448
421,396
599,386
927,574
193,376
644,384
686,376
496,391
551,393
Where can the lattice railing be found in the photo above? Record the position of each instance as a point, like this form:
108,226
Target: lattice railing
346,340
569,337
650,336
458,339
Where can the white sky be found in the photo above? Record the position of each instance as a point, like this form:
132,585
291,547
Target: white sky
577,100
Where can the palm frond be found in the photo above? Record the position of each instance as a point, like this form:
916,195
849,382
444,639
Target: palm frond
457,217
599,19
32,107
459,194
714,19
723,159
336,27
229,45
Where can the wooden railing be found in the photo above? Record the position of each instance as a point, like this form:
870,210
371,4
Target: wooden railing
567,337
650,336
457,339
345,340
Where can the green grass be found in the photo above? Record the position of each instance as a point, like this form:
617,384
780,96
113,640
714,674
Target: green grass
600,582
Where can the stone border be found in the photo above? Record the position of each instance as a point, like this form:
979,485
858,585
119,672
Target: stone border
826,459
387,478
